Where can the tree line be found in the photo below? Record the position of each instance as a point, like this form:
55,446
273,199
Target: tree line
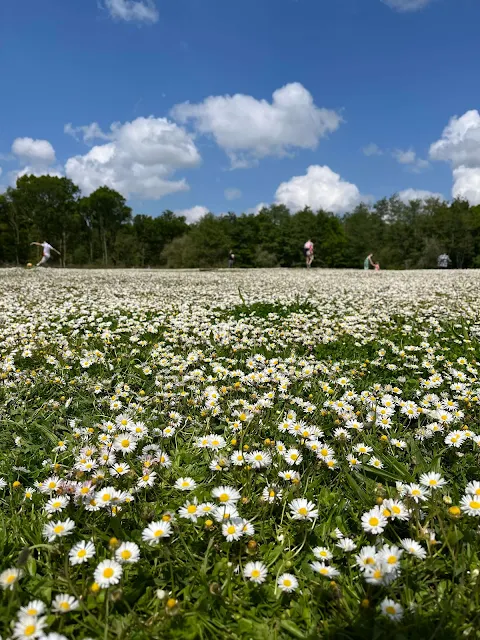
101,230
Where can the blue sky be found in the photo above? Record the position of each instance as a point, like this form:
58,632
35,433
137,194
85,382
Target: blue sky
364,89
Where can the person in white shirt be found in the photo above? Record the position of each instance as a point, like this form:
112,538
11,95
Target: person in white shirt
46,251
308,253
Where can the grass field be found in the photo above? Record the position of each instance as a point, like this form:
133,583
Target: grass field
250,454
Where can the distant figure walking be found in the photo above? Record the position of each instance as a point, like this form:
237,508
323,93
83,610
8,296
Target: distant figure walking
443,261
368,261
308,251
231,259
46,251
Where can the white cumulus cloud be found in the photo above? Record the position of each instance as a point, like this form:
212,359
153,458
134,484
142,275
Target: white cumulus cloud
417,194
140,159
405,6
36,152
319,188
194,214
460,141
133,10
248,129
466,184
460,146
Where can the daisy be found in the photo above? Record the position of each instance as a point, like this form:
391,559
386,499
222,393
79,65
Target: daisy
190,511
432,480
390,557
373,521
33,609
416,492
293,457
473,488
54,505
155,531
255,572
394,509
81,552
185,484
322,553
127,552
232,529
414,548
391,609
125,443
225,512
29,627
64,603
226,495
108,573
287,582
346,544
259,459
58,529
324,570
10,577
366,558
271,494
470,504
147,480
303,509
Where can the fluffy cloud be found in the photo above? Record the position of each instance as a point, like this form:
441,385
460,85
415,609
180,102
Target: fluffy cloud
372,150
417,194
460,141
140,159
232,193
194,214
410,158
407,5
36,152
133,10
460,146
249,129
466,184
319,188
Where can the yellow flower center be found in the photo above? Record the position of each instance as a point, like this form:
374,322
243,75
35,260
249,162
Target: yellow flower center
474,504
59,528
192,508
287,583
126,554
303,511
231,530
255,573
390,610
30,630
223,497
81,553
64,606
125,443
158,533
108,572
392,559
373,522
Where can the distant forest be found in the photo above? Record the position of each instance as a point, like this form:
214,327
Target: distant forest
101,230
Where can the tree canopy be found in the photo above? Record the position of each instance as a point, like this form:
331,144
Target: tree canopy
101,230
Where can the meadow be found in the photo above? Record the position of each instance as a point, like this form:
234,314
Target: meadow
258,454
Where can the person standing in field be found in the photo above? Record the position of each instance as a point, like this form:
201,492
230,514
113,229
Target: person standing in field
231,259
368,261
308,250
46,251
